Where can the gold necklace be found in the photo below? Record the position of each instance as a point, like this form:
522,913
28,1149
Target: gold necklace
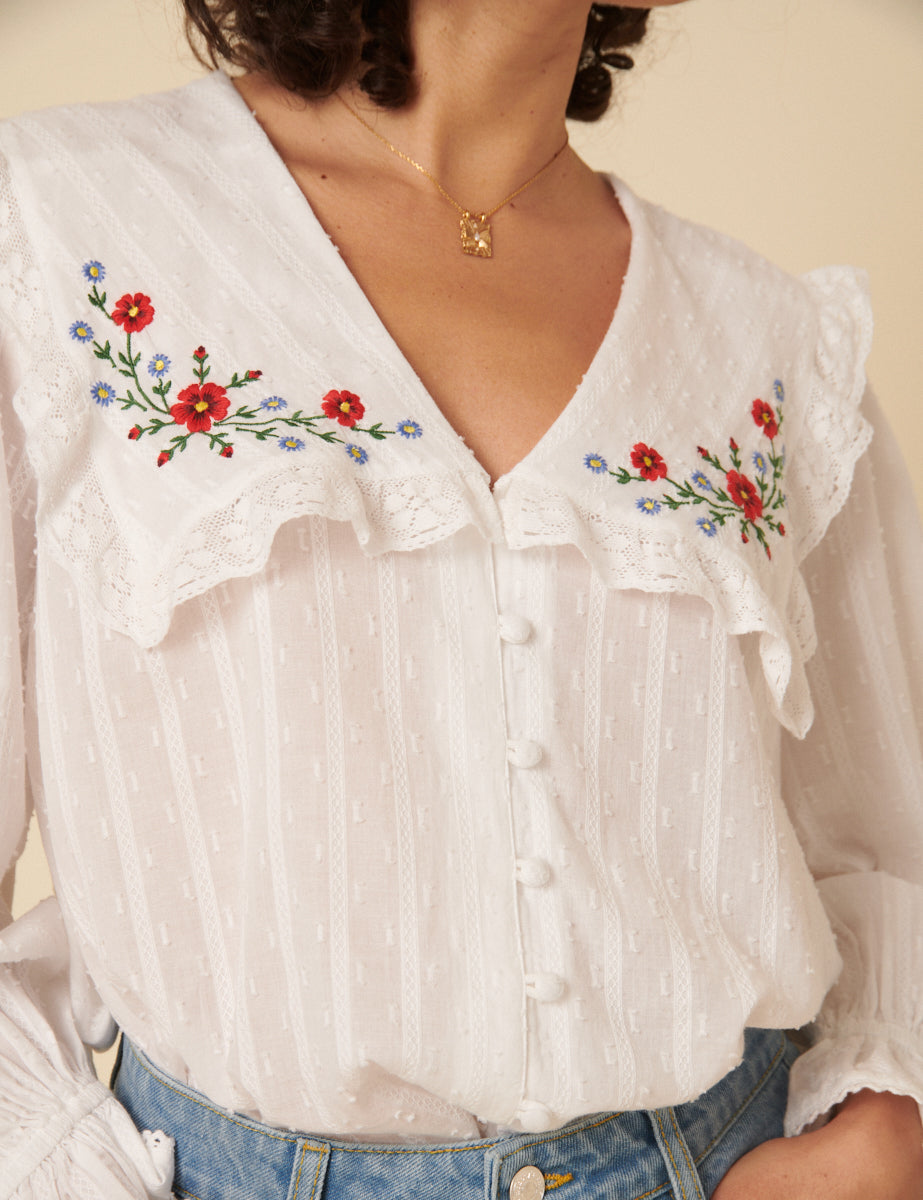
474,228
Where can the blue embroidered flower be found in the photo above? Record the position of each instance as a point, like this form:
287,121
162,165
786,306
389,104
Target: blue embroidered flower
102,393
158,366
708,526
94,272
596,463
760,462
273,404
701,481
357,454
81,332
409,429
778,390
647,504
291,443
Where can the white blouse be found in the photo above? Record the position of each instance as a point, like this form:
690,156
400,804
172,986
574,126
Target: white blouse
380,802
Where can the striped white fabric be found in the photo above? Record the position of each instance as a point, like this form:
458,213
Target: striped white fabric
382,804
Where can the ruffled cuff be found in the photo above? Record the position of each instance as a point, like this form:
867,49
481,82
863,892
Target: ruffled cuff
63,1135
869,1033
84,1146
879,1057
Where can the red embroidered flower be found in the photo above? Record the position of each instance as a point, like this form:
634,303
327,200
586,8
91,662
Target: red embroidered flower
648,462
764,416
745,495
254,374
134,433
227,452
703,453
733,444
164,457
199,354
198,405
133,313
343,407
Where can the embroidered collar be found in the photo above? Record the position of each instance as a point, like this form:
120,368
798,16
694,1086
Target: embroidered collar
268,389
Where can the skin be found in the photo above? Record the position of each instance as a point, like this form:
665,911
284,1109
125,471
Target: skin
501,345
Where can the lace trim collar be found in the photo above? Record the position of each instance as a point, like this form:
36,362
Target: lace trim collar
705,451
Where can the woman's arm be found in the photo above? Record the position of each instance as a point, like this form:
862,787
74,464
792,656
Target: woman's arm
871,1150
854,788
63,1135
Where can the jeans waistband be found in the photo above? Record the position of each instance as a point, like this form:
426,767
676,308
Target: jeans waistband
676,1153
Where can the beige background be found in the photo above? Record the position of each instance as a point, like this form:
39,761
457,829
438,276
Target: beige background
793,124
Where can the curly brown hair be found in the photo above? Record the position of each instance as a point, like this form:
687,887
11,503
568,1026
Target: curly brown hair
313,48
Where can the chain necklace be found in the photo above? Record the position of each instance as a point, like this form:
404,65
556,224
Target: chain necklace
474,227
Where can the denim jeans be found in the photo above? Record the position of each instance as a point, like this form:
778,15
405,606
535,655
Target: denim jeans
676,1153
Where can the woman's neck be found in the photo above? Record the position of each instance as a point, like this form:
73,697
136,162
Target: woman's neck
493,82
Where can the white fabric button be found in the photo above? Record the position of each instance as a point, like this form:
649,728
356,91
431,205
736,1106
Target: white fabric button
535,1117
527,1184
545,986
523,753
514,628
533,872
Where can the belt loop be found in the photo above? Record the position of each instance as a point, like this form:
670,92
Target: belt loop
676,1155
309,1171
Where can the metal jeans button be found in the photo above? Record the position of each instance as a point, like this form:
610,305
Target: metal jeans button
527,1184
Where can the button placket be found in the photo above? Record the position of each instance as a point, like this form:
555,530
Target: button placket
519,591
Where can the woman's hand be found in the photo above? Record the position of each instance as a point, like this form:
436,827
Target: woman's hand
871,1150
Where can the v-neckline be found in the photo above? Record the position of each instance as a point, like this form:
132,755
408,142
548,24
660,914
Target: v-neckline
302,219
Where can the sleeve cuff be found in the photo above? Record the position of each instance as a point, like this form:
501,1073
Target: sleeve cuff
63,1135
87,1146
880,1057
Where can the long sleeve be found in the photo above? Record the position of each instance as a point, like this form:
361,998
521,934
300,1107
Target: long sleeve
62,1133
855,788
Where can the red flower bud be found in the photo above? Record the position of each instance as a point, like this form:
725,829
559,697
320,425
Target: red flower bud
703,453
733,444
744,538
164,457
199,354
227,452
254,374
781,529
134,433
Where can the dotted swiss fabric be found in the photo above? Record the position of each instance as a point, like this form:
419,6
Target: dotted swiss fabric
384,803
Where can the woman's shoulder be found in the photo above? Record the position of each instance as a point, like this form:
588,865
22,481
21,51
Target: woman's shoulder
133,177
85,124
64,159
713,272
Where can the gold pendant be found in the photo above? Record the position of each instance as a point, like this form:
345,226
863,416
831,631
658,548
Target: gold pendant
475,235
